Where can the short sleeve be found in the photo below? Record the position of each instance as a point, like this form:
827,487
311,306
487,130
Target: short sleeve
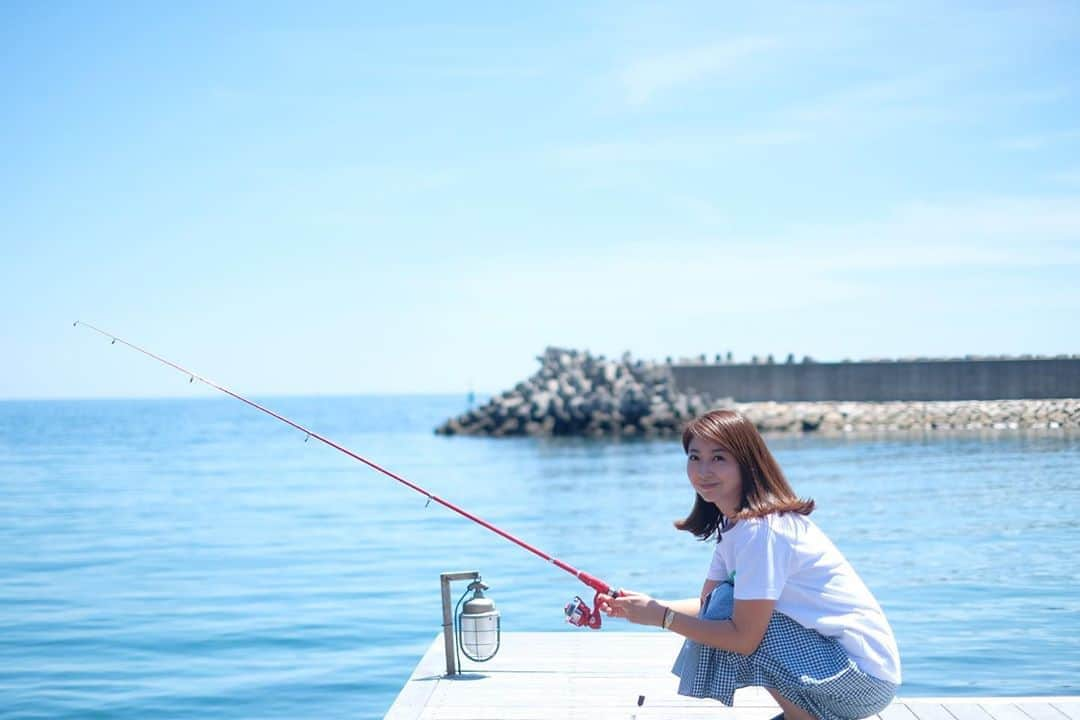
762,563
717,568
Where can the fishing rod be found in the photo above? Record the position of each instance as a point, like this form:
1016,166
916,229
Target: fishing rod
577,612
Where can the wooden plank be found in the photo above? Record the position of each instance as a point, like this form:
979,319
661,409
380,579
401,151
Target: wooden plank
963,709
929,711
1041,711
896,711
1003,711
1070,709
994,700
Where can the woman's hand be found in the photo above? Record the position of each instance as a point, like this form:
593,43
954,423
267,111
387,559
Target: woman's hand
636,607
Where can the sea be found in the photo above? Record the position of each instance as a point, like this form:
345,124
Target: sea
179,558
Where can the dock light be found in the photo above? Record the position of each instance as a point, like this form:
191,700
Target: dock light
477,624
474,629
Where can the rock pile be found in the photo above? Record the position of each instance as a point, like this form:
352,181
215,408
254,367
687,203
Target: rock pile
859,417
577,393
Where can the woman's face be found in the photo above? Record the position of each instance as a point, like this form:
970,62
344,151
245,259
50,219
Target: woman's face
714,475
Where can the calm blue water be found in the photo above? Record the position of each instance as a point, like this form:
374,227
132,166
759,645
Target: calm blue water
194,558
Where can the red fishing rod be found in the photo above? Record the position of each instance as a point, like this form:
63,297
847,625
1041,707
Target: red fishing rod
577,612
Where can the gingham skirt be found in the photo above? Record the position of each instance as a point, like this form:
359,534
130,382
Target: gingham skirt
802,665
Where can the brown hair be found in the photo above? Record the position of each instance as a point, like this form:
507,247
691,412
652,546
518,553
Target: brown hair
764,488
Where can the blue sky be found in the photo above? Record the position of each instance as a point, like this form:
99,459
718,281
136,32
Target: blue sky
356,198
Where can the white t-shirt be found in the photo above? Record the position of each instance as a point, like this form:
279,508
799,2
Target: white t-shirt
787,558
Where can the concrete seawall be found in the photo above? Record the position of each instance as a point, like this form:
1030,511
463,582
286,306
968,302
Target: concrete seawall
916,380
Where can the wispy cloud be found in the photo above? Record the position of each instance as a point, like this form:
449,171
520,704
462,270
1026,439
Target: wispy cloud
668,149
648,77
986,232
940,95
873,107
1069,177
767,138
1041,141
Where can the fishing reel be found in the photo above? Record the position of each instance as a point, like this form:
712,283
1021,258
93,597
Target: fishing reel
579,614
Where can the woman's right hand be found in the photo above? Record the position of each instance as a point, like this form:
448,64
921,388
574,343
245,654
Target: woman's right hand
636,607
608,607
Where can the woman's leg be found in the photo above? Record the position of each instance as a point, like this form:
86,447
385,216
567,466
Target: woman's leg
791,710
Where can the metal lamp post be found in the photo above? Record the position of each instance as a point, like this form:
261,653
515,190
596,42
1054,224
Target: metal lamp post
474,627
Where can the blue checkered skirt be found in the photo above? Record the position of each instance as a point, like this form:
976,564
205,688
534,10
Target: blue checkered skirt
801,664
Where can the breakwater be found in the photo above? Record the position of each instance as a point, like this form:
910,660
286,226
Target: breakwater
918,379
577,393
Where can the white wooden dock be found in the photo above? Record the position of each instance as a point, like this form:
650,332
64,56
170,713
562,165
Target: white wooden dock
593,675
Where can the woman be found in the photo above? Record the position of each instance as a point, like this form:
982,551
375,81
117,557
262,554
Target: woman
780,608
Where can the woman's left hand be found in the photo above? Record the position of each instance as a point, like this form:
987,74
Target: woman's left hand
636,607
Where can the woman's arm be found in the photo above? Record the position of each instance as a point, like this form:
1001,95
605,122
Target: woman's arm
741,634
689,606
706,591
692,606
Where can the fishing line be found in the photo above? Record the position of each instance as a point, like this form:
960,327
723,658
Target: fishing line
577,612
